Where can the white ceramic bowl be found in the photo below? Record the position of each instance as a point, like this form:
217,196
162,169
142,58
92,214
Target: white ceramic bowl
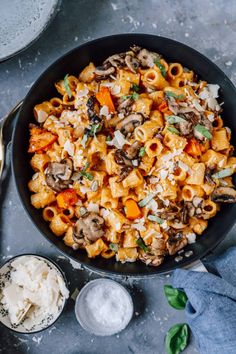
88,322
5,271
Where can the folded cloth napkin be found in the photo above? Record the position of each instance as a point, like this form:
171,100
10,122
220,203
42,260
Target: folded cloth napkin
211,306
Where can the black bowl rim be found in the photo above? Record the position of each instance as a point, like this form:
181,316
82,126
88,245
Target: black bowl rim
63,276
145,274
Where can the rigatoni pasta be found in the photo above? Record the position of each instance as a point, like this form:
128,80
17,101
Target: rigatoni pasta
131,159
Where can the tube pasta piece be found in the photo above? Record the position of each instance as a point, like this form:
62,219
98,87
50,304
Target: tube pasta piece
127,254
153,147
134,179
197,174
59,224
96,248
143,105
175,70
145,131
209,209
137,178
43,198
49,213
188,192
68,238
154,78
220,140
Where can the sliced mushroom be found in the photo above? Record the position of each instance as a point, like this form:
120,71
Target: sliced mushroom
93,109
116,60
121,159
58,174
184,215
150,259
125,105
102,72
132,63
224,195
177,224
89,226
129,123
185,128
175,243
208,177
147,58
191,209
131,151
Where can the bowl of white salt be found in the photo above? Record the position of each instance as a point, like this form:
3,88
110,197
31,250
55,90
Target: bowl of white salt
103,307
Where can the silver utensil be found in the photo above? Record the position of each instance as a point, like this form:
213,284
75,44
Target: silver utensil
4,121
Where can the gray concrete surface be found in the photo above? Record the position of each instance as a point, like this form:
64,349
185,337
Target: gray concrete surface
208,26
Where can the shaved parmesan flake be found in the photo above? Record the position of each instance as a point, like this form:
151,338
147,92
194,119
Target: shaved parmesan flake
93,207
211,117
163,174
118,141
84,189
69,147
183,166
139,226
83,93
115,90
191,237
104,213
197,105
204,94
213,89
104,111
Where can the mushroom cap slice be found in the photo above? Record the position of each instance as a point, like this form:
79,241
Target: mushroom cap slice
129,123
102,72
89,226
224,195
58,174
132,63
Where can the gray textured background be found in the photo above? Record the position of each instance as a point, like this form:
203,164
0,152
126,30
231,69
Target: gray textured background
208,26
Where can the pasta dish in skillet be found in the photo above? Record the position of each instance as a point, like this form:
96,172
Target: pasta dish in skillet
132,158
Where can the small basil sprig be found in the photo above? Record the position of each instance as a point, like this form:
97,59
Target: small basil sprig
67,86
203,131
134,96
141,244
113,246
155,219
177,338
223,173
173,130
175,119
161,67
174,95
135,88
176,298
85,174
142,151
143,202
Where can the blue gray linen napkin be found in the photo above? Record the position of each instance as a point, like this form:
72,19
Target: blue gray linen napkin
211,306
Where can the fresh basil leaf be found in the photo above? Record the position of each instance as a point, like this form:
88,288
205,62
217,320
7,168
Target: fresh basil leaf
175,119
172,94
135,87
146,200
134,96
94,129
87,175
173,130
177,338
203,130
113,246
67,86
161,67
141,244
142,151
155,219
223,173
176,298
108,138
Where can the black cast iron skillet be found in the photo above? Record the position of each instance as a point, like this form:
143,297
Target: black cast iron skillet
72,63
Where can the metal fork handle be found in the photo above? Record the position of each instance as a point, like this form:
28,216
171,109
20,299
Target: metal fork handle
4,121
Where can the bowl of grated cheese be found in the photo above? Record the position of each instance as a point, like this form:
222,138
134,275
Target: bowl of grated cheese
104,307
33,293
